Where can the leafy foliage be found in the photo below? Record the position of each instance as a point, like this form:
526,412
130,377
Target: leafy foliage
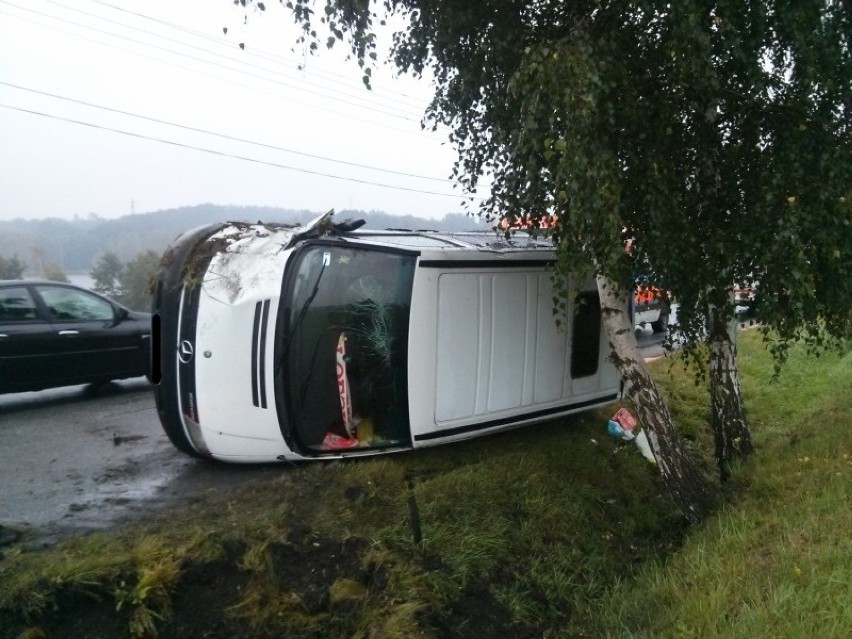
53,272
48,269
717,135
106,274
714,136
129,284
136,280
11,268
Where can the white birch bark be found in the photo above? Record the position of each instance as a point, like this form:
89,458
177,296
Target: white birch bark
687,486
730,429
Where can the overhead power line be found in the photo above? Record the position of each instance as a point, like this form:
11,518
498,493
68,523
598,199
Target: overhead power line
350,115
402,98
221,135
324,92
289,97
404,105
235,156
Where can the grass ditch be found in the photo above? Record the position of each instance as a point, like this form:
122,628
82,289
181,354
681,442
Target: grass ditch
552,530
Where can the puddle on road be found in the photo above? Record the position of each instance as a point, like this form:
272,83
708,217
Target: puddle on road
117,495
71,462
139,488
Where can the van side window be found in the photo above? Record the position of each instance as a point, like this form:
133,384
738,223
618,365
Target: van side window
586,336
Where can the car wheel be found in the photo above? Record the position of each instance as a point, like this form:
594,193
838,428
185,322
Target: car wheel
662,323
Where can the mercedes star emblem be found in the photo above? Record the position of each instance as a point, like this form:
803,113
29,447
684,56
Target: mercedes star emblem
185,351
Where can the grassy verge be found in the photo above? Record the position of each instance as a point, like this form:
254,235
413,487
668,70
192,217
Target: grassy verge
554,530
777,561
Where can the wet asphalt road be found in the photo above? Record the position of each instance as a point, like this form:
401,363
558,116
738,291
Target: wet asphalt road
74,459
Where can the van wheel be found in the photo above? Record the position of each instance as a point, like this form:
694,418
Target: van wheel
662,323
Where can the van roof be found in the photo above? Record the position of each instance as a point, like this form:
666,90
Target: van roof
483,241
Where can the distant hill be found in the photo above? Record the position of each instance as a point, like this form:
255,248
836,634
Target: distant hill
76,245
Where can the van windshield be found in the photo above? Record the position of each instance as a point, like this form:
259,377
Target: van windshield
344,348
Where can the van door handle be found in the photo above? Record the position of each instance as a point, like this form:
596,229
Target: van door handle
69,332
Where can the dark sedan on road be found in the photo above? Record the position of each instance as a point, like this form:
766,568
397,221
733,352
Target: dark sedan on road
54,334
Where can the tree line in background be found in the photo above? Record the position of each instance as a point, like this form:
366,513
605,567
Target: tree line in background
74,246
14,268
127,283
121,255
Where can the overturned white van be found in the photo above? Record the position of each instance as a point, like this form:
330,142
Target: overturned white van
295,343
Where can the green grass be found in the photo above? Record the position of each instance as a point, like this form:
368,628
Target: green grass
552,530
777,562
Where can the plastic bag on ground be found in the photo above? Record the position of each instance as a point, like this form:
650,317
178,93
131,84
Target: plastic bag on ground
623,425
625,419
614,429
643,446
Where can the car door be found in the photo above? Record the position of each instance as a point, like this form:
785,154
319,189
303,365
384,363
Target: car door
26,341
93,343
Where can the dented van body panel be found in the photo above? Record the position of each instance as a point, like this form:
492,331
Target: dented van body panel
309,342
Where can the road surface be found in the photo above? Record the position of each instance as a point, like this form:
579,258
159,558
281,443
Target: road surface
74,459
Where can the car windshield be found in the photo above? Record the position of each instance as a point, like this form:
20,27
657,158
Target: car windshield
344,348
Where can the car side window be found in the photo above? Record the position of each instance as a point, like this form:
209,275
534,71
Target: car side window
69,304
17,305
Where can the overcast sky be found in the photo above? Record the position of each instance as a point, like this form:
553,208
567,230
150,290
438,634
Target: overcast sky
90,91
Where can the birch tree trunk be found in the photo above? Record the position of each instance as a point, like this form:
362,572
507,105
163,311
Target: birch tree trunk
683,480
730,429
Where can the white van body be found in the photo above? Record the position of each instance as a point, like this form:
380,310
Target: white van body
280,343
